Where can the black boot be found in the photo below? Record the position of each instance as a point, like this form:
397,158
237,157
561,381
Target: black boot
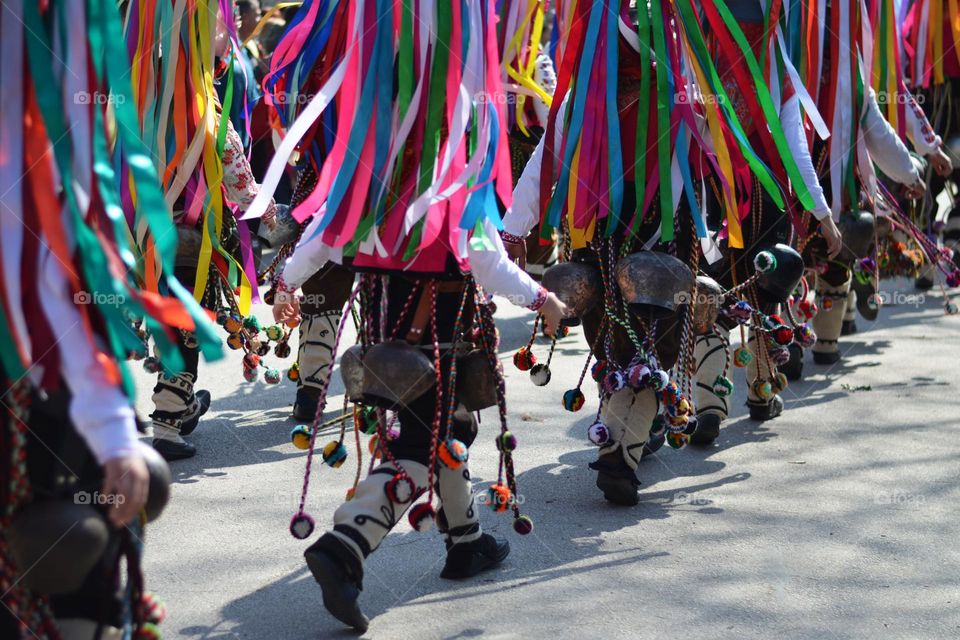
340,575
170,450
652,445
793,368
188,424
467,559
617,480
848,328
923,283
826,357
708,428
765,410
305,406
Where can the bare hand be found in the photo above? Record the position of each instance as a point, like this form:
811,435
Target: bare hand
286,307
125,483
553,311
831,234
941,163
916,190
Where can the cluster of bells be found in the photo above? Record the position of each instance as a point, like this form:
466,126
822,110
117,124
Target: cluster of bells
401,489
245,334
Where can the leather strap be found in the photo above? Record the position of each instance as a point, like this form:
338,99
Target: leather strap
421,316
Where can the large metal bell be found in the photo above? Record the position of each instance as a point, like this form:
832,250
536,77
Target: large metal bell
351,371
654,284
395,373
776,286
579,286
476,381
56,543
706,306
858,229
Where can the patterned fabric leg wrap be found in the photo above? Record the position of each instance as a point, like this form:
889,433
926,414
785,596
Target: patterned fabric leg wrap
363,522
629,415
828,322
317,335
456,496
711,360
850,314
173,397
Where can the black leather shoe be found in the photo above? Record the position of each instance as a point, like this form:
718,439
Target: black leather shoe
171,450
923,283
848,328
652,445
826,357
766,410
793,368
340,576
616,480
187,425
708,428
467,559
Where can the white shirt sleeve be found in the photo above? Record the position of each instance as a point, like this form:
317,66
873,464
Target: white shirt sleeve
886,149
496,273
797,141
99,409
525,212
308,257
921,134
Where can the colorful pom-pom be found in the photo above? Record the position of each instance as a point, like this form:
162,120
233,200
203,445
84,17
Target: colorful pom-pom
151,365
235,341
677,440
780,382
524,359
722,386
301,526
598,433
779,355
250,375
827,304
369,420
659,380
282,349
293,323
500,497
232,324
740,311
506,442
148,631
252,324
614,381
523,525
271,376
765,262
334,454
293,373
783,335
638,376
950,308
742,357
804,336
422,517
222,317
401,489
540,375
573,399
274,332
763,389
598,370
251,361
453,453
300,436
953,279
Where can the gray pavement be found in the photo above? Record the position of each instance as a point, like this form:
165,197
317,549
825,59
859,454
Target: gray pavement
838,520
